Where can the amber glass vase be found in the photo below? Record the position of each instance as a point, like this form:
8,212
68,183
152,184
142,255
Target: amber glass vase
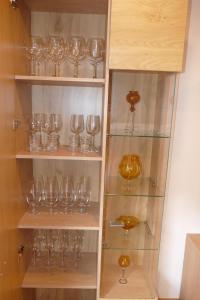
130,167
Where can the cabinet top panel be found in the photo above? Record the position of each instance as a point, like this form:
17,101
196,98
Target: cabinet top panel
70,6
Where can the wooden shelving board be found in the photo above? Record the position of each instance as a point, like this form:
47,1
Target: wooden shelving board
84,277
60,81
62,154
75,221
137,286
70,6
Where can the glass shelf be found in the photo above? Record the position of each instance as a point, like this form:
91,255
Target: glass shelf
117,186
138,238
150,134
140,276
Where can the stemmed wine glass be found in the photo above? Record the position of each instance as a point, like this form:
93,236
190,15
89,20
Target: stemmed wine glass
35,54
57,52
34,196
55,127
124,262
77,126
66,194
83,194
52,191
95,50
93,128
76,52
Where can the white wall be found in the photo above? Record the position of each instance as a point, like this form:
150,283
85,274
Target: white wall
182,204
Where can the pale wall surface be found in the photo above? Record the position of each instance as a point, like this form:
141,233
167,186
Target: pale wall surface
182,205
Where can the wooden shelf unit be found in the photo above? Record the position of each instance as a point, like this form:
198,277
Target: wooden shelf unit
60,81
75,221
62,154
83,277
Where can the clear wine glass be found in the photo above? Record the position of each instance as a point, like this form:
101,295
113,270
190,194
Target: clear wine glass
76,51
52,191
57,52
55,127
34,196
95,50
83,194
35,54
93,128
67,195
77,126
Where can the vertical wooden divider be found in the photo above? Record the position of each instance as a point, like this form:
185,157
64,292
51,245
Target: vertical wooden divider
104,138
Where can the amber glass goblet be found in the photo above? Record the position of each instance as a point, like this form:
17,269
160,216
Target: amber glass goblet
124,262
130,167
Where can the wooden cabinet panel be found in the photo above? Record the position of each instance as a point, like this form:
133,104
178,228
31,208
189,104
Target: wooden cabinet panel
13,32
148,34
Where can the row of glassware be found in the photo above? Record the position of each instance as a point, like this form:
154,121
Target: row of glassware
45,136
57,249
57,50
60,250
59,195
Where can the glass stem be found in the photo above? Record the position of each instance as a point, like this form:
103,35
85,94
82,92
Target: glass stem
37,71
57,70
76,69
132,122
92,142
33,67
95,70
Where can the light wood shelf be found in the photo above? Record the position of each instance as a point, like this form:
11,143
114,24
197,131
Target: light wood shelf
136,288
70,6
62,154
75,221
60,81
83,277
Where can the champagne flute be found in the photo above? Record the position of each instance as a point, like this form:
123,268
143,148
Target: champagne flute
95,50
93,128
76,52
124,262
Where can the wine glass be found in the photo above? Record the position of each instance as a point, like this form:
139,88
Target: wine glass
35,54
93,128
34,196
76,51
52,191
77,126
83,194
57,52
67,194
95,50
55,127
124,262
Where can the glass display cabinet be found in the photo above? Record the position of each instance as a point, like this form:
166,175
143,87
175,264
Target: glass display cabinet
90,145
